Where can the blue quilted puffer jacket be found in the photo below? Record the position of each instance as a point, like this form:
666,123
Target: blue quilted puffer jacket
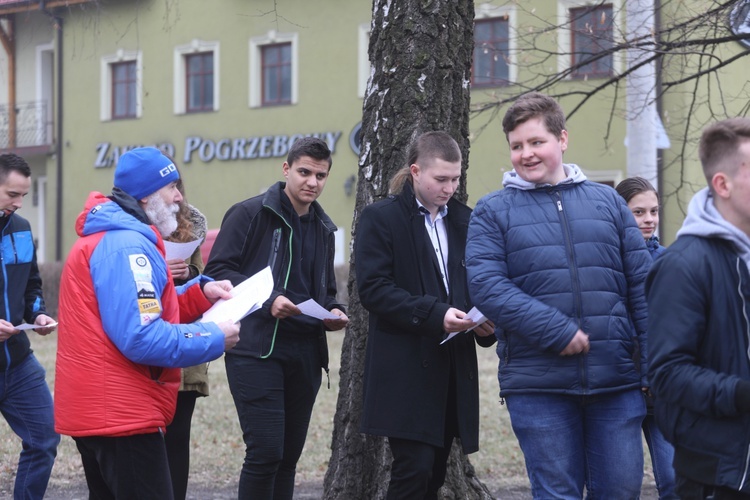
544,261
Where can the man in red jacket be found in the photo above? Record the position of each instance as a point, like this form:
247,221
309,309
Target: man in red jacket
125,330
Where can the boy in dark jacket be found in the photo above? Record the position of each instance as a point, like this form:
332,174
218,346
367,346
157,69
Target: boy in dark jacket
698,294
558,263
275,371
412,279
25,400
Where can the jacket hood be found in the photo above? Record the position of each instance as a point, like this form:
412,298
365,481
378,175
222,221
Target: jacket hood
573,175
705,221
200,223
101,213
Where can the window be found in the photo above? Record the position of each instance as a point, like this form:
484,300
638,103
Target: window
200,82
121,86
273,69
591,32
277,74
494,46
196,77
123,90
491,48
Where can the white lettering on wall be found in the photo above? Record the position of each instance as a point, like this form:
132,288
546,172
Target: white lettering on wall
227,149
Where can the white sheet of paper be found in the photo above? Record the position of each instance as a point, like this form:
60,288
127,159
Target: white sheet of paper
28,326
247,297
181,251
312,308
474,315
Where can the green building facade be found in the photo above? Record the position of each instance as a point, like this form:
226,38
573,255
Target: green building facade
225,86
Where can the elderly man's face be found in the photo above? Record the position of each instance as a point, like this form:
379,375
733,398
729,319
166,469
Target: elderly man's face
161,208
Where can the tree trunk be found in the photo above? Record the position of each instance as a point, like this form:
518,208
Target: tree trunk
420,53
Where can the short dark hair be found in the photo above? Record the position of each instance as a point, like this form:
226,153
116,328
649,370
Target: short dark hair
433,145
428,146
11,162
313,147
633,186
535,105
719,144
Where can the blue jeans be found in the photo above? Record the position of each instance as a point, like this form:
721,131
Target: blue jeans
26,404
572,441
662,455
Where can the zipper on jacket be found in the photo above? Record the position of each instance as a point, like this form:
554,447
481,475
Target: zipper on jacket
286,278
275,243
574,281
738,267
15,250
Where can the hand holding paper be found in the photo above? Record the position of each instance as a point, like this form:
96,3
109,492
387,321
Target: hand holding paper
475,316
312,308
247,297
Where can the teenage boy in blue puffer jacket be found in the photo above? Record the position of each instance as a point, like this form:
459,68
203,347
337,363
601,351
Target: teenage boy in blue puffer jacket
558,263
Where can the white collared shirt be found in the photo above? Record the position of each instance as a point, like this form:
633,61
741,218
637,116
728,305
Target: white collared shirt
439,238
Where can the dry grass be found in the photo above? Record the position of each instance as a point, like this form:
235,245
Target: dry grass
218,450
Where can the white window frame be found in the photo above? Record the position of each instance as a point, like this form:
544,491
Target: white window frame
107,61
564,34
256,58
180,72
487,11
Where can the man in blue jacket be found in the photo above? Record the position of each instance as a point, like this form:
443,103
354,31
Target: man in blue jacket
558,263
699,304
25,400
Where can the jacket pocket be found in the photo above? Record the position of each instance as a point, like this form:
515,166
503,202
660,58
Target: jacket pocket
275,244
18,248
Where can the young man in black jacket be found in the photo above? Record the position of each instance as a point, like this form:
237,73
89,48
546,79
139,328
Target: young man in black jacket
411,277
25,400
274,372
699,328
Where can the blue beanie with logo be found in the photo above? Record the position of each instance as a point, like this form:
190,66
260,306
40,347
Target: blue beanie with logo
143,171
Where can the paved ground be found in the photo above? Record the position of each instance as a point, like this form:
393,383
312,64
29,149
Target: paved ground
303,491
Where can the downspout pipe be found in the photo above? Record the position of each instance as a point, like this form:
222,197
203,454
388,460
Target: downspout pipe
58,27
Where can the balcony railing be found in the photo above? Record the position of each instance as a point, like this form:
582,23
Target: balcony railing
33,125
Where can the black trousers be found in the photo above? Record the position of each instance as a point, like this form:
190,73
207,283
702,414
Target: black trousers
126,467
274,398
177,440
418,469
691,490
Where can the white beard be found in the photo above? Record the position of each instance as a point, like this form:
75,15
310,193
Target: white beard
161,215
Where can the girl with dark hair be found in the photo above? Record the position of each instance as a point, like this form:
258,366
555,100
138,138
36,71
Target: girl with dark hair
643,201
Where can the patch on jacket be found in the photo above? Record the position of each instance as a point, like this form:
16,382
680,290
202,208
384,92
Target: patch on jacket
149,307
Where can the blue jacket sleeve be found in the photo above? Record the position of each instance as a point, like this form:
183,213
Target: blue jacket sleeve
129,280
33,299
494,293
